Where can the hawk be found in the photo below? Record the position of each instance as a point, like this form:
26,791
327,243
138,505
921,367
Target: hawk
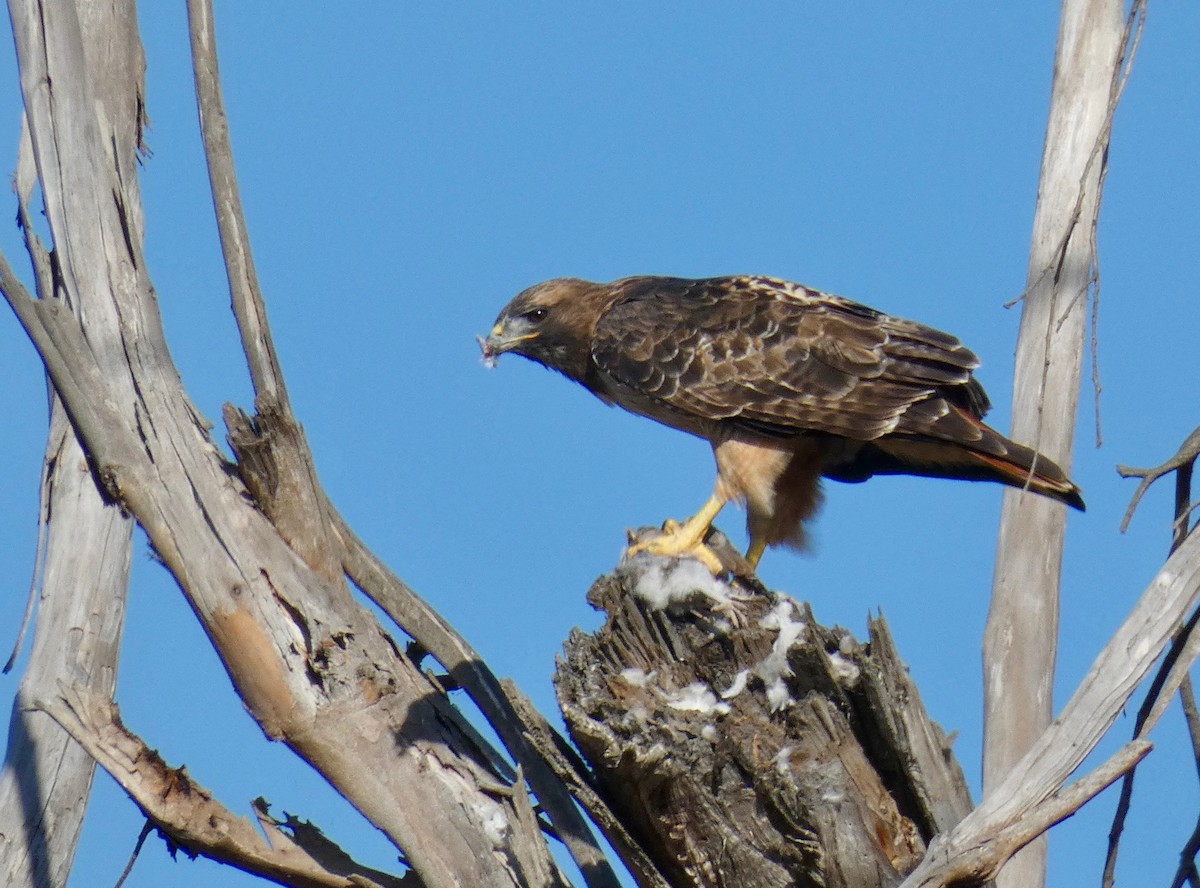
788,385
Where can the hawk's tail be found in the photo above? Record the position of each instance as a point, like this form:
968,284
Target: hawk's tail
1024,467
977,452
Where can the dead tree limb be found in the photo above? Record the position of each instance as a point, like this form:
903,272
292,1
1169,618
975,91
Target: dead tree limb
81,581
1021,638
966,853
710,745
313,666
191,819
249,308
47,777
276,463
1173,673
1182,463
504,709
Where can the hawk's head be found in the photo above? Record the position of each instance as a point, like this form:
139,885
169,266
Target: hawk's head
551,323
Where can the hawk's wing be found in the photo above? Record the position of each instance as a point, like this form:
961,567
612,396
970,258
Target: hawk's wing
780,359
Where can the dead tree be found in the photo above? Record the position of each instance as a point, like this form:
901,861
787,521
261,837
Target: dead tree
1021,638
731,742
312,665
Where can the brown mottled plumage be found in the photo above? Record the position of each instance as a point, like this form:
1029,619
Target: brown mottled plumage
788,384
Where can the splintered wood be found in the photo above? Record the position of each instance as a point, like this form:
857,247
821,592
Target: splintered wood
770,752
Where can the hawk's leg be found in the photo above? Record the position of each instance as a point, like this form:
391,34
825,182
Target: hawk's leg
687,538
755,552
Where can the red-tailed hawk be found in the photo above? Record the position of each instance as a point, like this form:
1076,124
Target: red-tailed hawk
788,384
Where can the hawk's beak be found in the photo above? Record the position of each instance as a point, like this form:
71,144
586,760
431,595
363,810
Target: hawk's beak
500,340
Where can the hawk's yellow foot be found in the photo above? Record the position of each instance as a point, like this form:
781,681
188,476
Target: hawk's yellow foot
686,539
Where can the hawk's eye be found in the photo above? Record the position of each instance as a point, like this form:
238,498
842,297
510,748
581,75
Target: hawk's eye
534,315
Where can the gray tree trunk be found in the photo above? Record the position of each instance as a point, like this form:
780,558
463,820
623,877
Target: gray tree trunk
1021,638
47,776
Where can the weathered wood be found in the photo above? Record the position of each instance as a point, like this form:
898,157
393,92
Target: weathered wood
1021,638
196,822
266,374
774,753
505,709
312,665
47,776
1031,798
275,464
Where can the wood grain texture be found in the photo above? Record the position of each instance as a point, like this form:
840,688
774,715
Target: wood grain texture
47,777
1020,643
842,785
338,689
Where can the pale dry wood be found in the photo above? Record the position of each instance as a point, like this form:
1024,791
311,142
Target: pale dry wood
1021,637
246,295
313,667
966,863
505,709
296,501
558,753
271,455
192,819
47,777
1032,784
276,463
1173,671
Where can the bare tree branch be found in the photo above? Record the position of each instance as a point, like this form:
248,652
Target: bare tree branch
292,495
1173,673
413,614
191,818
82,565
1187,871
1187,698
277,464
147,828
312,665
248,305
1021,638
1183,460
1119,668
80,619
973,860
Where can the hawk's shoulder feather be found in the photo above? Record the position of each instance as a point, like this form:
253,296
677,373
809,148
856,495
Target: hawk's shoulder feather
781,358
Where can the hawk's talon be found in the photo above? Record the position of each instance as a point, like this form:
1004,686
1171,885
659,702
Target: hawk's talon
673,544
686,539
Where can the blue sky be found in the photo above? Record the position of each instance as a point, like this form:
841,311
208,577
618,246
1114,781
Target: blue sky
407,168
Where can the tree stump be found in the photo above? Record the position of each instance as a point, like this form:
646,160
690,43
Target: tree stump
744,744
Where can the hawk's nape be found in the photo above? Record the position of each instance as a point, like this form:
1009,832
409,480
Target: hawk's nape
788,384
